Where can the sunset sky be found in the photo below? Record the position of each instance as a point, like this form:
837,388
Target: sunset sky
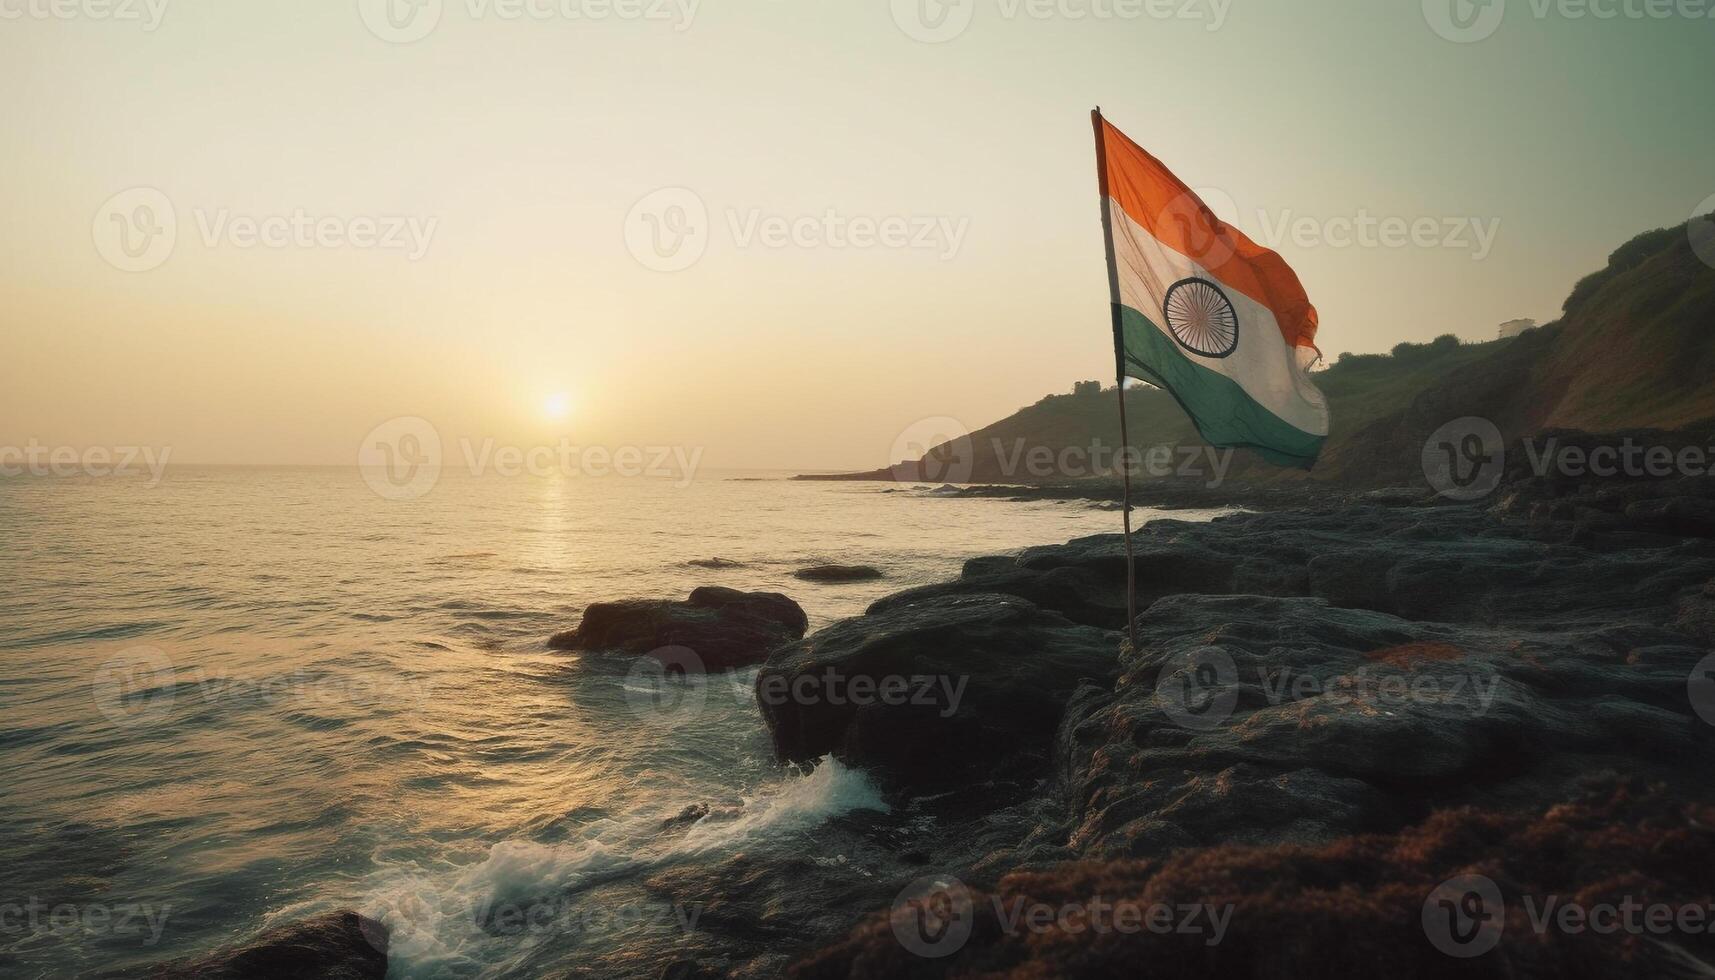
474,257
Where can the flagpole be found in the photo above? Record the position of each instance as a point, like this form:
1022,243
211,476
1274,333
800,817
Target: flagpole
1119,370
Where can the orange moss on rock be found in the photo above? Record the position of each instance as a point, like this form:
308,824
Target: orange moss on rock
1409,655
1350,908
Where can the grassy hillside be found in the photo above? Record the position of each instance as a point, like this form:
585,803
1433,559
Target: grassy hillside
1635,348
1638,345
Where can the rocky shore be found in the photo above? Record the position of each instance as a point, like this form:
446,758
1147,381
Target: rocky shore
335,946
1162,494
716,628
1331,712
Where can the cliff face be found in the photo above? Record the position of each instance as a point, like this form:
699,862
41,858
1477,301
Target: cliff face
1633,350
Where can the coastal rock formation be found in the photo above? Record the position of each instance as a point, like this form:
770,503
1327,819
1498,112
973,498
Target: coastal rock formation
838,573
723,627
335,946
1542,649
1566,499
1252,720
934,693
1448,564
1327,713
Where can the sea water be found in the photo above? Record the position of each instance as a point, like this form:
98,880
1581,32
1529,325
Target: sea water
243,696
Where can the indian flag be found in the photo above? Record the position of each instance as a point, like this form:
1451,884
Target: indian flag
1204,312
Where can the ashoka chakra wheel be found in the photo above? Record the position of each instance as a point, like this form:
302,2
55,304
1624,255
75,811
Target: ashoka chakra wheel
1201,317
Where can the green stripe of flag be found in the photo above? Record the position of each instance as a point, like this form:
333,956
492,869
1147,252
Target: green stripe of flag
1224,414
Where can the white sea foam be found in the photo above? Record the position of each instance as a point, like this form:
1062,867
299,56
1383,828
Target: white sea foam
436,919
830,790
284,732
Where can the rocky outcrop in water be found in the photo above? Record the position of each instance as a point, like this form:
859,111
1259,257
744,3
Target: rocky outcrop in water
716,562
720,627
838,573
335,946
932,694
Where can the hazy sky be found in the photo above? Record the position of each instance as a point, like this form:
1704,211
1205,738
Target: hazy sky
467,246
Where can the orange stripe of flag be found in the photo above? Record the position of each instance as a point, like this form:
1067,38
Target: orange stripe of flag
1162,204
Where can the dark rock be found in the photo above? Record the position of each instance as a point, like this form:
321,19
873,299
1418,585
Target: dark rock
1340,909
1383,666
947,690
1307,722
1681,516
1642,499
690,814
1080,595
691,970
1694,613
770,606
722,627
1448,564
765,896
810,885
335,946
1397,496
838,573
714,563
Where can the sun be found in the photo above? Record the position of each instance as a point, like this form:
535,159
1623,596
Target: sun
557,406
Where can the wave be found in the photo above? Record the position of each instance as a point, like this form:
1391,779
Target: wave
437,920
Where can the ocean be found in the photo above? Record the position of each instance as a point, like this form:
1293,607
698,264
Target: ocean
246,695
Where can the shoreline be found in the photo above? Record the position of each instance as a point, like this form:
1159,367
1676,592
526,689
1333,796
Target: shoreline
1160,494
1510,661
1381,666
